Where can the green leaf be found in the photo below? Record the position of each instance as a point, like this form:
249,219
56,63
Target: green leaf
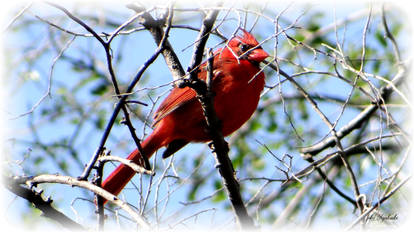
61,91
258,164
38,160
193,192
100,89
302,107
100,121
348,182
83,82
75,121
396,29
313,27
220,196
272,127
255,125
380,37
63,165
376,66
299,37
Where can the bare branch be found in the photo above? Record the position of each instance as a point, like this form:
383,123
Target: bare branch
218,145
43,205
379,203
389,35
287,211
100,209
155,28
20,13
71,181
336,139
355,123
137,168
80,22
331,157
199,46
121,102
47,93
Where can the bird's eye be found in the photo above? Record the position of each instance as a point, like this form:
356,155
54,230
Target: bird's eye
244,47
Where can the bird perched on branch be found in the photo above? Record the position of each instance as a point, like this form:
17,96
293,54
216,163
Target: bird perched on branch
236,84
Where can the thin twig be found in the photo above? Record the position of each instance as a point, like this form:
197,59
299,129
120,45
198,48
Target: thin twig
316,207
120,103
77,20
376,205
390,36
293,204
137,168
47,93
155,28
20,13
336,139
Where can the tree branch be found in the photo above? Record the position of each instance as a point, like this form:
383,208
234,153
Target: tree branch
218,144
155,28
120,104
137,168
355,123
200,44
335,137
333,157
385,92
293,204
71,181
100,209
390,36
38,202
379,203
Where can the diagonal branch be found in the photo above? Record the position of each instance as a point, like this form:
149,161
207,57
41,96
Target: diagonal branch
378,204
199,46
137,168
218,145
107,47
121,102
43,205
71,181
355,123
155,28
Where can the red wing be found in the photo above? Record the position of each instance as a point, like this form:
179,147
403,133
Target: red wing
175,99
181,96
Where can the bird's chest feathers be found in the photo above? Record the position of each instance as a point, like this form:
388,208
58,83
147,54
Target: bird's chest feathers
237,94
237,81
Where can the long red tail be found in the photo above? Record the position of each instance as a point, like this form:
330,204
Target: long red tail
120,177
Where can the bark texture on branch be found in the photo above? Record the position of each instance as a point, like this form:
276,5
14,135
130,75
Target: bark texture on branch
218,145
38,202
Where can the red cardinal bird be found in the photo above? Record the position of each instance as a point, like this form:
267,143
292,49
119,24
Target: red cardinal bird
237,83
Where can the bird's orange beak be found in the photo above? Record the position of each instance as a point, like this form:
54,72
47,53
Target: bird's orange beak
258,55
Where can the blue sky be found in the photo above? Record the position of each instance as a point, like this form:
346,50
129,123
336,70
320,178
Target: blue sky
140,46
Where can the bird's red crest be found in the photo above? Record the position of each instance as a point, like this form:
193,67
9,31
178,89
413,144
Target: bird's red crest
246,38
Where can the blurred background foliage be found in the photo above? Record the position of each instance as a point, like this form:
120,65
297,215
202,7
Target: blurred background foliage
61,97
